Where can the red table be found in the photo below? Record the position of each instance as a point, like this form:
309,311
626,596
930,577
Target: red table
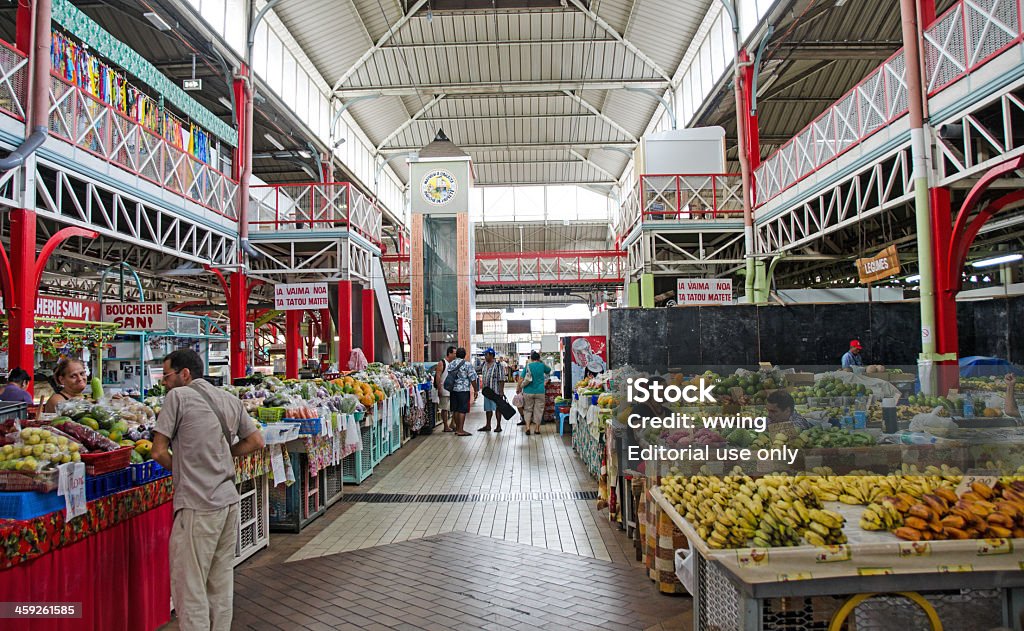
114,561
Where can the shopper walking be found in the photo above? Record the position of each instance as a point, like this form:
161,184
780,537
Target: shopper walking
493,377
205,427
15,391
443,396
533,392
462,377
69,380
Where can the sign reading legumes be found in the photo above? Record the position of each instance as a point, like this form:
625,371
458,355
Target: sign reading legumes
300,296
704,291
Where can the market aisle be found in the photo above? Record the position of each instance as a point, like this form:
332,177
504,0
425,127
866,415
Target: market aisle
491,531
524,489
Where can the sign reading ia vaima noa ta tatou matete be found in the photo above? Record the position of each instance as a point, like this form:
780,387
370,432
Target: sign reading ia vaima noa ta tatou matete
136,316
704,291
300,296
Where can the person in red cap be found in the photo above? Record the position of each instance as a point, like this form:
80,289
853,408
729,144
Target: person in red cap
852,357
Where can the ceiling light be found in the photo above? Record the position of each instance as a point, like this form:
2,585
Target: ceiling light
274,142
157,21
305,154
226,103
339,142
916,278
998,260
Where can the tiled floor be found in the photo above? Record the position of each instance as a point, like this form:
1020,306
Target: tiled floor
490,562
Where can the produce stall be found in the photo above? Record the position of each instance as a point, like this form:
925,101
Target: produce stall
806,560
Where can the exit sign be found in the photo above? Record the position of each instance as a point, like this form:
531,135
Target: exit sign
192,84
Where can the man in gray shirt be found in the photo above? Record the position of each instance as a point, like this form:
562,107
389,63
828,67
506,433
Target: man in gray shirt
199,432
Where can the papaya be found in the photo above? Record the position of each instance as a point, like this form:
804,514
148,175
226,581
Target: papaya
136,458
97,388
90,422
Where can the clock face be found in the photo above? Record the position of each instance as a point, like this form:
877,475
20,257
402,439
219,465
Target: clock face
439,187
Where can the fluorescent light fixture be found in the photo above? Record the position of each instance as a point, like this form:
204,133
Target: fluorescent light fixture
226,103
339,142
916,278
157,21
998,260
305,154
274,142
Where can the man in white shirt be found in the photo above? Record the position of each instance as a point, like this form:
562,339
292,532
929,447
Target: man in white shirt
443,396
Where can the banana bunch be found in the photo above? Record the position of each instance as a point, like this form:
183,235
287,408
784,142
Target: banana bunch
982,512
773,511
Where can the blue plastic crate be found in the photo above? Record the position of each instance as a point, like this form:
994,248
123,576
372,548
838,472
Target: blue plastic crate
107,484
29,504
146,472
307,426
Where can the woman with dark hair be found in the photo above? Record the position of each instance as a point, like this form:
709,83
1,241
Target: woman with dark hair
69,380
534,392
15,391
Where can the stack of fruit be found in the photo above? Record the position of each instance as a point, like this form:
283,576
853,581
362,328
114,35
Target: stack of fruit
37,449
829,387
735,511
369,394
983,512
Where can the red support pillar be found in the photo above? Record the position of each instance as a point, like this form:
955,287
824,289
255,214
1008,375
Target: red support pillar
344,323
23,29
946,333
369,321
292,343
21,309
238,298
753,134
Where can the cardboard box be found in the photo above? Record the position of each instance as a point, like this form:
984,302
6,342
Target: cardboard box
800,379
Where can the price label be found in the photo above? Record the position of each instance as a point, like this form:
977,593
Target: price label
983,477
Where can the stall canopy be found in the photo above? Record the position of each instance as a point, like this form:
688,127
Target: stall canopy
977,366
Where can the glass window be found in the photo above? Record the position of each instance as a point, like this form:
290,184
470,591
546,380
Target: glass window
234,25
213,13
274,61
286,89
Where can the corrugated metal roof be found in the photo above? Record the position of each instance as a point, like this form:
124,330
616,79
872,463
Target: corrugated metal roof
483,61
541,237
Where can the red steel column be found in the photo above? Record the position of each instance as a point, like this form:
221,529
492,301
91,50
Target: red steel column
369,320
344,323
326,332
21,312
946,331
23,30
238,298
292,343
753,133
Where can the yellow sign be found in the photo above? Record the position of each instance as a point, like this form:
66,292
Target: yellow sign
832,554
874,571
752,557
947,569
883,265
915,549
795,576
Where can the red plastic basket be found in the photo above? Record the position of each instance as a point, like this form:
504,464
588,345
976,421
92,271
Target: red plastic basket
98,463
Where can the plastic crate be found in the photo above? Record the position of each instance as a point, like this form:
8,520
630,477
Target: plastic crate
292,507
358,466
146,472
270,415
107,484
40,482
307,426
29,504
253,523
98,463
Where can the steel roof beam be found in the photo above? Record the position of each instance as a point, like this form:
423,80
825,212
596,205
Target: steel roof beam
622,40
503,88
525,145
838,50
487,117
384,39
412,119
492,43
593,110
593,164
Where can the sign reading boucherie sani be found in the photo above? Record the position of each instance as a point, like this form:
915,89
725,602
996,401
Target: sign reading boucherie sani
136,316
704,291
300,296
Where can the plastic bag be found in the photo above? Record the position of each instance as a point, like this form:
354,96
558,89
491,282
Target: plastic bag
353,437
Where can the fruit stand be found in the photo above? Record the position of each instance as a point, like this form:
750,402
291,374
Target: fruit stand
965,583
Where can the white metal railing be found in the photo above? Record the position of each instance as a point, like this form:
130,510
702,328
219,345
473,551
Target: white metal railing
91,125
968,35
13,80
313,206
549,268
